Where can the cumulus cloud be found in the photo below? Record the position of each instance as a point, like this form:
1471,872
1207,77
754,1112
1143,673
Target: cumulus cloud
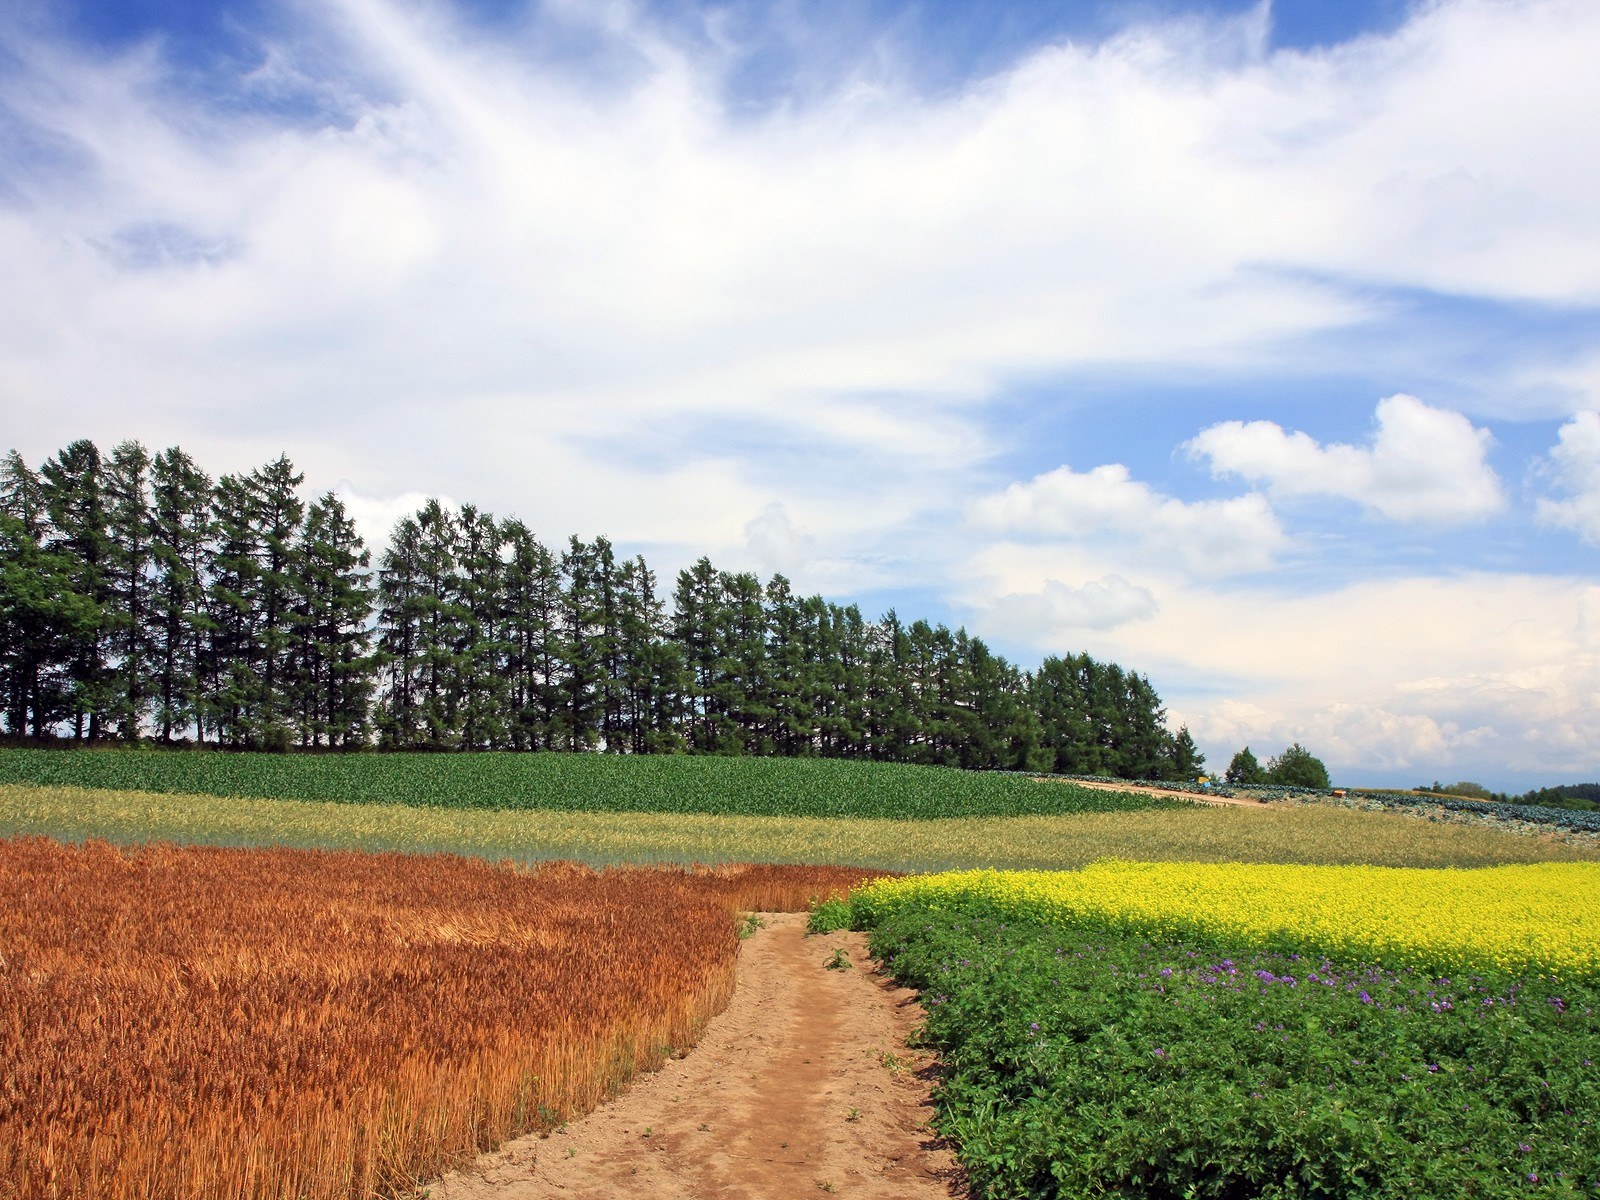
776,544
1211,536
1576,462
1424,464
1058,610
1350,737
376,516
1473,675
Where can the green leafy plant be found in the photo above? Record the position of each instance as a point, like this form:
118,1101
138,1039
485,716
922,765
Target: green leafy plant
749,924
893,1063
830,916
840,960
547,781
1086,1060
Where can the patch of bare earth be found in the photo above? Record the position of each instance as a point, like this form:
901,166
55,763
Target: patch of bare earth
1147,790
803,1086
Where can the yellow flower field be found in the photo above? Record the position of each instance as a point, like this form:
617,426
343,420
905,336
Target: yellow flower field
1541,917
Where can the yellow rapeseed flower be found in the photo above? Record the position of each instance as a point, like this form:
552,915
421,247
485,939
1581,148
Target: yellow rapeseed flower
1542,917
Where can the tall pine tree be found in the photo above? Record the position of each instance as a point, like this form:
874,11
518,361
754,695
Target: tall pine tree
180,625
331,659
74,489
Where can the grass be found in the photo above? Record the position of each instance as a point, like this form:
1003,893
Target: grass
1309,834
573,783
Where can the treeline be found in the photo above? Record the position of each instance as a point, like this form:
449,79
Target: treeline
1585,797
1295,767
142,600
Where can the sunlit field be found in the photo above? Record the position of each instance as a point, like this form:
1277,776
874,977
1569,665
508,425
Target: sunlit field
270,1023
552,782
1190,833
1541,918
1190,1029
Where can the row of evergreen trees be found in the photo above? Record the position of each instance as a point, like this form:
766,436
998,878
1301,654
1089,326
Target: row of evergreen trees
141,599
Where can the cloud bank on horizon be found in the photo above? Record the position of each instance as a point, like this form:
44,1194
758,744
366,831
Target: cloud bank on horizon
1256,346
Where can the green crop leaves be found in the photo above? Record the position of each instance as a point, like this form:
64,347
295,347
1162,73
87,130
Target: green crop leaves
575,783
1086,1060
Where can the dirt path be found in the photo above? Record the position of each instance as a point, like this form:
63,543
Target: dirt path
1145,790
803,1086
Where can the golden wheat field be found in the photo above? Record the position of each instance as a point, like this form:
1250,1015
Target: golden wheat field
200,1022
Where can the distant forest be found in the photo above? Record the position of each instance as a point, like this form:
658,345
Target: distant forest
141,600
1582,796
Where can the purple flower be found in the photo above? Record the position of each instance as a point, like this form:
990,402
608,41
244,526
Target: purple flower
1366,999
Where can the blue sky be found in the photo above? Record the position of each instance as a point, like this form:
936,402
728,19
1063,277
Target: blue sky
1256,346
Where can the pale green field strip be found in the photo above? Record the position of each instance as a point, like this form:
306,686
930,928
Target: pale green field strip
1307,834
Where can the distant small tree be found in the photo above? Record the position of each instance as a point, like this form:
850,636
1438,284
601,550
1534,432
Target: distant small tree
1298,767
1244,770
1473,791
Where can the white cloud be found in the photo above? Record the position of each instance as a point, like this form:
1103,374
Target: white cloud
1424,464
1062,609
775,544
858,269
613,303
1204,536
376,516
1576,460
1350,737
1484,675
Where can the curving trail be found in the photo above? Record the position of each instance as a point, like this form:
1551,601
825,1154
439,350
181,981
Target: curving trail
803,1086
1146,790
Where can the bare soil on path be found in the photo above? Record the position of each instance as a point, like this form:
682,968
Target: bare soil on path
803,1086
1146,790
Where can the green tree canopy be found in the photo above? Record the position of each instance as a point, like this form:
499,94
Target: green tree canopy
1297,767
1244,770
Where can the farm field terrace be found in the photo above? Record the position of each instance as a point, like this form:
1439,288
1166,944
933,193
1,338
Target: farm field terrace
1311,834
553,782
266,1023
1194,1030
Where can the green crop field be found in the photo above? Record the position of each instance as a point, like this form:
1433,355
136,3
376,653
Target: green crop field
1310,834
792,787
